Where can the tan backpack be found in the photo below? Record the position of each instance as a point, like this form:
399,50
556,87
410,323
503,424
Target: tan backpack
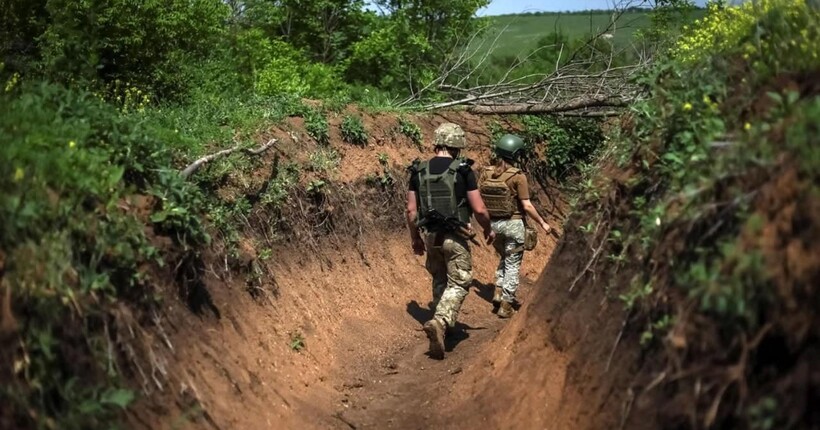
497,195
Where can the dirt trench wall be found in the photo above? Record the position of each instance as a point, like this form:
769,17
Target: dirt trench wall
557,365
331,303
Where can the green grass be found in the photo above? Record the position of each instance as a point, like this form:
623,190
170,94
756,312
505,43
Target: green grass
521,32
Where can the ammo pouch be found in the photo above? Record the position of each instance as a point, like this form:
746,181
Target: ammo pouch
530,238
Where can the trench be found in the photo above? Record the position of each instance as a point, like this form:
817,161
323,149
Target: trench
336,342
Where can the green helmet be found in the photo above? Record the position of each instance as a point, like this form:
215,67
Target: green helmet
509,146
450,135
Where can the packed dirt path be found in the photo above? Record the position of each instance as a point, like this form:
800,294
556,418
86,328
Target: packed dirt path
406,389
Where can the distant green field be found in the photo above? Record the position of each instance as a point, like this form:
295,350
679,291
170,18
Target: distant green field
521,32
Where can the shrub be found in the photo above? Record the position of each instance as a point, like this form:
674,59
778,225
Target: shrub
353,130
324,160
411,130
570,142
316,126
71,247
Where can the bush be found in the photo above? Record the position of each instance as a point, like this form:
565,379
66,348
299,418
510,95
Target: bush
147,43
411,130
718,159
353,130
317,127
69,166
570,142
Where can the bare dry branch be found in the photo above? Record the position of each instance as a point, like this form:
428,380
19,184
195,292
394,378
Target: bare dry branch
581,81
519,108
193,167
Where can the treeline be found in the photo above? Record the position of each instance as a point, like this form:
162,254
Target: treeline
631,9
169,49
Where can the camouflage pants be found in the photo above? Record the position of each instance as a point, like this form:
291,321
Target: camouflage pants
451,265
509,241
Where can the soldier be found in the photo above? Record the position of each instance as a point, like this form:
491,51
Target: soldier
505,190
442,196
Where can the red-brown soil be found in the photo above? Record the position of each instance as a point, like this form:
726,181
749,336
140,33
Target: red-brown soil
358,304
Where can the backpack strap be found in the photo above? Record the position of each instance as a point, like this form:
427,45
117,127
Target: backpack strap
509,173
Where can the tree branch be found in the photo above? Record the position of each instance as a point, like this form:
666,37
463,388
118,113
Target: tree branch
193,167
577,104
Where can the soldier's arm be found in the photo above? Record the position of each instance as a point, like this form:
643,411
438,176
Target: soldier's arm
412,212
479,210
526,204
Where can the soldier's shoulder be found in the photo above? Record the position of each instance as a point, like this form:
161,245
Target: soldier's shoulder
415,165
465,165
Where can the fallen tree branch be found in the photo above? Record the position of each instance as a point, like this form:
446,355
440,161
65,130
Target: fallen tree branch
517,108
193,167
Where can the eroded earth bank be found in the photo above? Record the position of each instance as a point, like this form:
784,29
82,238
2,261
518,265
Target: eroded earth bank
324,329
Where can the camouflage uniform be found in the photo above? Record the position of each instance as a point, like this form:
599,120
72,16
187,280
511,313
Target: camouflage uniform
509,243
451,267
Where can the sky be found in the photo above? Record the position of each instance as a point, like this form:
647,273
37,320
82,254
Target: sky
500,7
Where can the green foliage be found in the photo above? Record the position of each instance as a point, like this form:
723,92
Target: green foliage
763,414
317,126
700,159
316,187
407,47
385,180
324,160
280,186
297,342
279,68
656,329
148,43
570,142
410,129
68,166
353,130
324,29
180,209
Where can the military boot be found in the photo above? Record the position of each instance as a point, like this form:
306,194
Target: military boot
435,333
497,295
506,310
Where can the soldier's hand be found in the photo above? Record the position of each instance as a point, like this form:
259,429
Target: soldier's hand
489,236
546,227
418,246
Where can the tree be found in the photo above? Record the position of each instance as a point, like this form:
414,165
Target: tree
147,43
324,29
411,40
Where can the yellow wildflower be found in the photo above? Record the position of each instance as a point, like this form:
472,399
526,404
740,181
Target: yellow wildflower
747,126
19,174
687,106
72,144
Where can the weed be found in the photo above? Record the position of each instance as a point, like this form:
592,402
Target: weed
762,415
656,329
385,179
316,186
297,342
636,292
324,160
317,127
353,130
411,130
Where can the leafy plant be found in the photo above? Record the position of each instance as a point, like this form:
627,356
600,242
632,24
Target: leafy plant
317,127
411,130
316,186
386,179
297,342
324,160
353,130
